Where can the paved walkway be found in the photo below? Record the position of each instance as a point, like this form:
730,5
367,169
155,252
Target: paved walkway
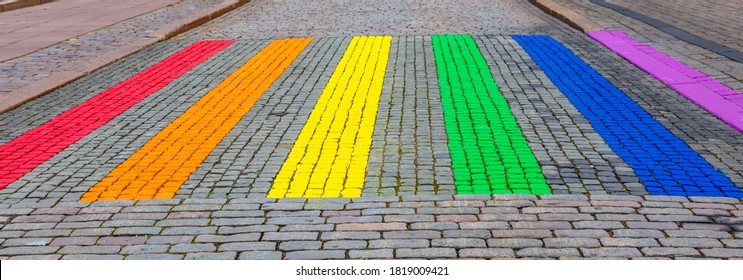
34,28
90,40
351,140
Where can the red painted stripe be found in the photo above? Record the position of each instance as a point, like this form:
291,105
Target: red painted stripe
26,152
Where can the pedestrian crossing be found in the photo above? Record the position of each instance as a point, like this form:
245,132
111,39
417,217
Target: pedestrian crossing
329,157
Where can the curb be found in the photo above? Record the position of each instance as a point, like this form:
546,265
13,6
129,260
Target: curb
13,5
572,18
27,93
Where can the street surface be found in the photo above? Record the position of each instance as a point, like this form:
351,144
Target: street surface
404,129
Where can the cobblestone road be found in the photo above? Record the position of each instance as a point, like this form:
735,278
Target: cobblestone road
338,143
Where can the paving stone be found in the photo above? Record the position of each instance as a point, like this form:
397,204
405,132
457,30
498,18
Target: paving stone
122,240
484,225
147,231
598,225
237,221
471,233
621,217
27,242
73,249
522,233
316,255
296,220
723,253
154,257
408,218
678,218
732,243
514,242
261,255
507,217
637,233
411,234
299,245
355,219
565,217
669,252
628,242
248,246
344,244
399,243
541,225
91,224
371,254
183,222
38,219
186,230
361,235
425,253
28,250
92,257
144,249
188,248
690,242
581,233
458,242
39,233
486,253
208,238
456,218
36,257
129,223
91,232
371,227
434,226
652,225
286,236
547,252
248,229
698,233
211,256
169,239
571,242
611,252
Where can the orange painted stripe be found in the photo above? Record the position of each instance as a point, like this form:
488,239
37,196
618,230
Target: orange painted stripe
163,164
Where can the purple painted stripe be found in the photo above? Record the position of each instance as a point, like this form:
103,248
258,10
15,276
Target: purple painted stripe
705,91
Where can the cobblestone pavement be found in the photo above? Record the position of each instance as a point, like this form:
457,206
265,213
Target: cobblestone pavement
454,165
25,70
316,18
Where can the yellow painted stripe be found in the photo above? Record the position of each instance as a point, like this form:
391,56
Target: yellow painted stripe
165,162
330,155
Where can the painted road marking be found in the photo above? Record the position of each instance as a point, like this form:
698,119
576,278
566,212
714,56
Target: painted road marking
489,152
26,152
718,99
664,163
331,152
160,167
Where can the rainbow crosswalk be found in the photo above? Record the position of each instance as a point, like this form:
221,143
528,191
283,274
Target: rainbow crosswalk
328,159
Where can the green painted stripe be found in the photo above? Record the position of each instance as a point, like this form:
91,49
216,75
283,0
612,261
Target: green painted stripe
489,153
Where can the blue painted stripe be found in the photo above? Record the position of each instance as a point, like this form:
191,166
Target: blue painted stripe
664,163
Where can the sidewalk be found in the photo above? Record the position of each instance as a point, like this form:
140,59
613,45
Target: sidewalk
49,45
33,28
